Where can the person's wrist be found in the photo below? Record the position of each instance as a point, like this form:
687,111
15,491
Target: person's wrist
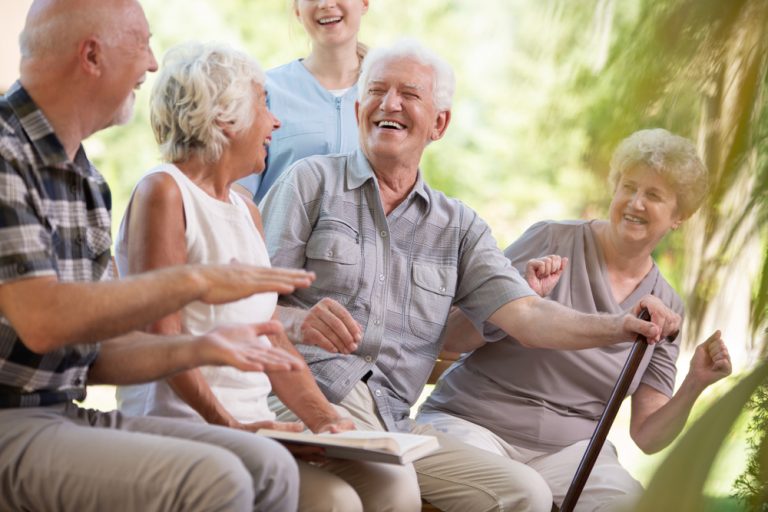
693,383
292,320
324,422
195,280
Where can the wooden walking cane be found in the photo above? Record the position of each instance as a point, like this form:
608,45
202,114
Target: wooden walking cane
606,420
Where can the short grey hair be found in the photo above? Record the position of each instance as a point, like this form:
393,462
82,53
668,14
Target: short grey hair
444,79
200,88
675,158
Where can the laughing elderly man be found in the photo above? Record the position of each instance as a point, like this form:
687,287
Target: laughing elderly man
81,61
393,255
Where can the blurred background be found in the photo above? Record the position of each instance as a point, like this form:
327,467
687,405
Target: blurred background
545,91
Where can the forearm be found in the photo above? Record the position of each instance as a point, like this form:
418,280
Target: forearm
48,314
460,334
540,323
137,357
291,318
656,431
300,393
194,390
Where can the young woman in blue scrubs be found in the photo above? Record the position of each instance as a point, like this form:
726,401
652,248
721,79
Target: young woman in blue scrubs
314,98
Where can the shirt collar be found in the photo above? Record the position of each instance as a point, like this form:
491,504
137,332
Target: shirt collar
361,171
41,134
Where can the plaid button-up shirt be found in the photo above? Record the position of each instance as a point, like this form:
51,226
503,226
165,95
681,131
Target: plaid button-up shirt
397,274
54,222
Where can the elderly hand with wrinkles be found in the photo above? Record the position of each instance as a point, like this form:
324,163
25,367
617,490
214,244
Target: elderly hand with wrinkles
327,325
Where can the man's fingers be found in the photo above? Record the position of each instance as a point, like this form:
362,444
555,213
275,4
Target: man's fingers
287,426
313,336
667,320
336,331
345,316
648,330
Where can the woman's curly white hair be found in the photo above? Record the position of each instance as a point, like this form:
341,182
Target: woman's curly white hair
200,90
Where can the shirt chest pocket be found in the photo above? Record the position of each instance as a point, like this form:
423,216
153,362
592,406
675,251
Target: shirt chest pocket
334,256
432,290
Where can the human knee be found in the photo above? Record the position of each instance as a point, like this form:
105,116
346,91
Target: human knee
406,497
219,480
334,498
274,474
529,492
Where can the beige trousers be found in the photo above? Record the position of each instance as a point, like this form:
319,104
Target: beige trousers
378,486
66,458
458,477
609,487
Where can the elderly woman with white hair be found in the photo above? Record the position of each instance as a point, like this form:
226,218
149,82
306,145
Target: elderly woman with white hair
209,115
539,407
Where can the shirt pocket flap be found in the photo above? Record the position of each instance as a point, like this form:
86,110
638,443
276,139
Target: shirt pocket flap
333,247
440,280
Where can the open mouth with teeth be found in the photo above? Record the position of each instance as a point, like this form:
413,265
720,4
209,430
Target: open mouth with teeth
330,20
634,220
390,125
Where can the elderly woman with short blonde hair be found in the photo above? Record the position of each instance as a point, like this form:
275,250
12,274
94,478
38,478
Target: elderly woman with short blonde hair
540,407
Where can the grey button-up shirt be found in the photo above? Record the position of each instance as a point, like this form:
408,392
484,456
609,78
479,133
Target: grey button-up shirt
398,275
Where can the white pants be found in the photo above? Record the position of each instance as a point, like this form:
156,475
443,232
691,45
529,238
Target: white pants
609,487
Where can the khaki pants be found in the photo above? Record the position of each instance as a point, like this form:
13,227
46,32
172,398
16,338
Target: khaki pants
458,477
65,458
380,487
609,487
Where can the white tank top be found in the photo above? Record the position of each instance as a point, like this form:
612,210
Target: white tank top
216,232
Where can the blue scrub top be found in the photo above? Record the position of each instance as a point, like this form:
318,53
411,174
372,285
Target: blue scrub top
313,122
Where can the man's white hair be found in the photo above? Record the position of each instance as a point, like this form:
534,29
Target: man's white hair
201,88
444,79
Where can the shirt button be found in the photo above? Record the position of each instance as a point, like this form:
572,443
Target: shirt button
442,288
383,234
381,278
376,322
329,253
21,268
377,392
368,359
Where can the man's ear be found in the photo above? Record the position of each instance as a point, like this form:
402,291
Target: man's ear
441,124
357,111
91,56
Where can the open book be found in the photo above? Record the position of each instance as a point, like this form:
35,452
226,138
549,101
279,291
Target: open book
374,446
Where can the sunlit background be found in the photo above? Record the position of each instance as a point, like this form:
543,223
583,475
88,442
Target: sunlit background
545,91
